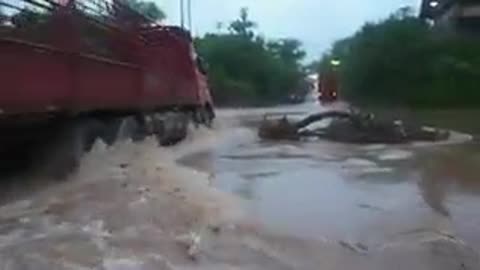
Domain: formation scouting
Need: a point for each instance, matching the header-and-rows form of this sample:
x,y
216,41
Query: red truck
x,y
72,71
328,87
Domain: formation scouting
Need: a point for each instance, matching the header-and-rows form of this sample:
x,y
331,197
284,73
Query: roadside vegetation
x,y
245,68
147,8
404,61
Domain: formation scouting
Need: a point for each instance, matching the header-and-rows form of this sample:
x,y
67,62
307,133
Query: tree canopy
x,y
246,69
243,26
403,60
148,9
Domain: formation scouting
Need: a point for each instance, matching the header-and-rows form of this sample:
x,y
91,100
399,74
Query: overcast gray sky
x,y
317,23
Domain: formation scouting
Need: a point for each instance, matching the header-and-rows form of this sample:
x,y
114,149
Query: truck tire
x,y
110,132
131,128
174,128
197,117
158,127
204,116
210,112
208,115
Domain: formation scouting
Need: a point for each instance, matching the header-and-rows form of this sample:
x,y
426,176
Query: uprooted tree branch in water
x,y
350,127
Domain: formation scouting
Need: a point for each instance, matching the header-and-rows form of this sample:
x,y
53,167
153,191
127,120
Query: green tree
x,y
28,18
243,26
147,8
245,68
313,66
402,60
289,50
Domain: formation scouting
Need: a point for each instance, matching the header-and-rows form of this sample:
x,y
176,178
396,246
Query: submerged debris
x,y
278,129
191,241
124,165
358,248
351,127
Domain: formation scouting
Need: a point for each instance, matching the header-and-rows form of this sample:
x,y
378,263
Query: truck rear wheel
x,y
171,128
110,131
122,129
209,115
131,128
204,116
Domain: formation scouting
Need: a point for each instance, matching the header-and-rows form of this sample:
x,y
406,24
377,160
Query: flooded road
x,y
224,199
369,199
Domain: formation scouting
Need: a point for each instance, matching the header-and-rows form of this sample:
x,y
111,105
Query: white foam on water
x,y
358,162
373,147
455,138
394,154
122,264
374,170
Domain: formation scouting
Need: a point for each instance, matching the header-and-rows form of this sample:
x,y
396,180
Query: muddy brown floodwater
x,y
226,200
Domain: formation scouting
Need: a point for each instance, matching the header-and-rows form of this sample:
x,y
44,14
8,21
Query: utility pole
x,y
189,14
182,14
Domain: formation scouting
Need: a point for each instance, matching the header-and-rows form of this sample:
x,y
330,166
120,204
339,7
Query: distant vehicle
x,y
328,87
86,69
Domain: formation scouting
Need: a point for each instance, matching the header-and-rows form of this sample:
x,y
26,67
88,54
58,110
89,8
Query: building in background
x,y
459,16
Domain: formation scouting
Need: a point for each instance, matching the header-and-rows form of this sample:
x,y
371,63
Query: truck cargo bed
x,y
37,78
